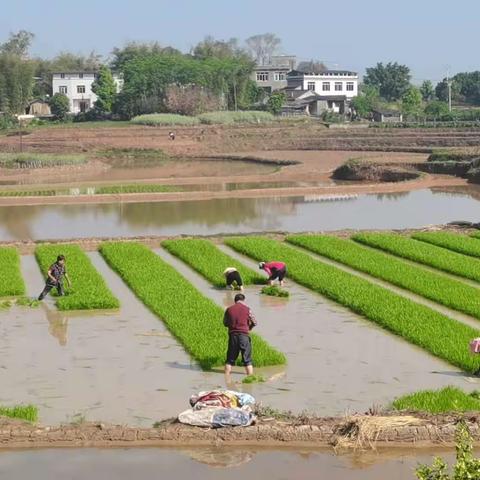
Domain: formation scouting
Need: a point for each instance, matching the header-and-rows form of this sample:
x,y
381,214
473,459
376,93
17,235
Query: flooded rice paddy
x,y
293,214
209,463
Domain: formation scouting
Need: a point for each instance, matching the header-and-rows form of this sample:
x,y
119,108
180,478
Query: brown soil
x,y
355,432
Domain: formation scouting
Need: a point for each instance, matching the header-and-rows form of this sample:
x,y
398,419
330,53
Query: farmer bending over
x,y
274,270
55,278
232,276
240,320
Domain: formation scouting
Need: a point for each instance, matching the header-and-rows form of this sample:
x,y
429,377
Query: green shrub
x,y
193,319
89,290
209,261
431,255
227,117
436,333
22,412
451,241
434,286
164,119
11,280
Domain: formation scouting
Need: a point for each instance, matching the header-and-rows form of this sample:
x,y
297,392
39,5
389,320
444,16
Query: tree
x,y
392,80
315,66
106,90
263,47
59,105
366,101
191,100
18,44
436,109
412,101
135,50
210,47
427,91
275,102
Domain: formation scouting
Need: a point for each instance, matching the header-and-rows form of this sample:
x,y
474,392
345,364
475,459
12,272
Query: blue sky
x,y
427,35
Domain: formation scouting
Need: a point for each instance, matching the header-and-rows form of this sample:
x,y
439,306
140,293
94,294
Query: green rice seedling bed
x,y
209,261
449,399
39,160
196,321
452,241
434,286
436,333
22,412
11,280
274,291
89,290
421,252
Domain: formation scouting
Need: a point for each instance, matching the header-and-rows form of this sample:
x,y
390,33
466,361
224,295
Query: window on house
x,y
279,76
311,86
262,76
338,86
326,86
80,75
63,89
80,88
350,86
62,75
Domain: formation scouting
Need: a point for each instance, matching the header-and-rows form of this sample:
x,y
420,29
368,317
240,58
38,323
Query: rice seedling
x,y
448,399
421,252
274,291
164,119
39,160
137,188
89,291
22,412
209,261
193,319
436,333
253,379
27,302
226,117
434,286
452,241
11,281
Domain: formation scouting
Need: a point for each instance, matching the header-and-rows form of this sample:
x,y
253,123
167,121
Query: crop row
x,y
438,334
452,241
421,252
89,291
11,280
209,261
193,319
434,286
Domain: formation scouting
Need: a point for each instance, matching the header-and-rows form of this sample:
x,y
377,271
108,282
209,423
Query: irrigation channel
x,y
124,367
235,215
209,463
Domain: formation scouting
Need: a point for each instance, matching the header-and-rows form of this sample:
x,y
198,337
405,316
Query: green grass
x,y
164,119
39,160
11,280
449,399
134,153
436,333
196,321
89,290
209,261
274,291
427,254
22,412
227,118
451,241
434,286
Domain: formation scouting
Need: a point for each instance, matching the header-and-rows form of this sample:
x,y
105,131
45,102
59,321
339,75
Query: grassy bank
x,y
209,261
164,119
11,280
89,290
434,286
39,160
193,319
434,332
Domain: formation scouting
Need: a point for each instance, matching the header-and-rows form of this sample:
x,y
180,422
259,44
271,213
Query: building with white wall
x,y
77,86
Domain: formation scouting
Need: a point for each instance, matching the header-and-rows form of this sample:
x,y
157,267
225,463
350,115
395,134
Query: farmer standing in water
x,y
232,276
274,270
55,275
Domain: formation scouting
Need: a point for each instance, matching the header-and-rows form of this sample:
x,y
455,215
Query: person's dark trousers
x,y
48,286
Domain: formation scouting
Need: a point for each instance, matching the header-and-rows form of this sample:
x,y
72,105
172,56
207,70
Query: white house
x,y
77,86
335,87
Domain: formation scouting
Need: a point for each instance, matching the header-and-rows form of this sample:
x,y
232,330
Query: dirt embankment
x,y
357,432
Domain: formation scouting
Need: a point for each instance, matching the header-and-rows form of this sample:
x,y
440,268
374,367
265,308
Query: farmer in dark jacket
x,y
55,275
240,320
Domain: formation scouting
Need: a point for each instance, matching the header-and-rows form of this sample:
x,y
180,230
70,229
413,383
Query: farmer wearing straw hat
x,y
232,276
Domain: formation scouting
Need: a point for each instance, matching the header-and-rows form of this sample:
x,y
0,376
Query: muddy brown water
x,y
234,215
209,463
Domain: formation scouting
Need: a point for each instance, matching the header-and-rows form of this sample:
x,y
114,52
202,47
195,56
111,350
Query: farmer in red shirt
x,y
240,320
274,270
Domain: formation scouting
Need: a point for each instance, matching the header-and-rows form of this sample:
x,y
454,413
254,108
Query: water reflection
x,y
57,324
220,457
